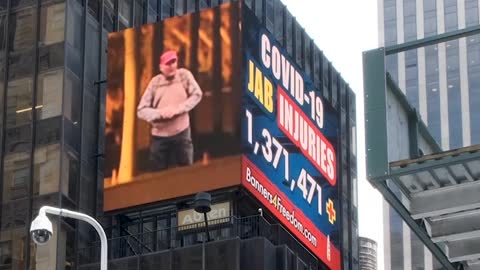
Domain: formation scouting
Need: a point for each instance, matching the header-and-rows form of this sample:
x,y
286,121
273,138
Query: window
x,y
179,7
259,9
269,14
72,96
454,97
46,173
450,15
167,9
418,248
109,15
20,174
22,31
3,33
473,56
125,13
307,42
139,5
298,44
326,76
16,176
3,6
49,94
391,66
316,66
92,53
390,32
5,253
74,37
471,12
18,139
151,15
2,88
203,4
278,21
21,3
191,6
94,8
153,4
334,87
411,77
19,102
21,65
433,91
410,20
289,32
52,24
48,131
430,17
390,22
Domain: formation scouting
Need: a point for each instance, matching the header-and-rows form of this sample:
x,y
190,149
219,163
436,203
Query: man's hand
x,y
168,112
149,114
151,117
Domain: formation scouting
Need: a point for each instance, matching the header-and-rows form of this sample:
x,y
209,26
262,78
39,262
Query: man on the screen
x,y
165,105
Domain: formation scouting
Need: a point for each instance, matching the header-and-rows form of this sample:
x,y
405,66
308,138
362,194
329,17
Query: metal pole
x,y
206,226
203,254
88,219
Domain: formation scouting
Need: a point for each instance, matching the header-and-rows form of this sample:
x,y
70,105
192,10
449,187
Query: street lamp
x,y
41,228
202,204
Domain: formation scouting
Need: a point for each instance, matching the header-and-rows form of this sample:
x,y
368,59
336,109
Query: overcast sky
x,y
343,29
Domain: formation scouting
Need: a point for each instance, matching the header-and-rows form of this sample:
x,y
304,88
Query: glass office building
x,y
442,82
368,254
52,117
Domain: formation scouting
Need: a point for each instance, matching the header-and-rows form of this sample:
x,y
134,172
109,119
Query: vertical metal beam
x,y
349,177
4,105
414,226
374,83
33,132
116,18
99,182
217,69
83,28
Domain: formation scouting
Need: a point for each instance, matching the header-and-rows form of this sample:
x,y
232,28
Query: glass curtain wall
x,y
31,85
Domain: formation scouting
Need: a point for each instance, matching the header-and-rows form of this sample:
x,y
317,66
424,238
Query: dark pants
x,y
169,152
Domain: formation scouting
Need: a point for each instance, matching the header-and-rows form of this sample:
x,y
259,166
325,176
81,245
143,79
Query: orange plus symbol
x,y
332,214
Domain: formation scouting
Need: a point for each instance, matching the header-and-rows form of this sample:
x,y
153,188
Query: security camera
x,y
260,211
41,229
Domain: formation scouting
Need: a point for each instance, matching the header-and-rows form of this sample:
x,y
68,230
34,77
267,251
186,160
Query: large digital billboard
x,y
289,141
172,106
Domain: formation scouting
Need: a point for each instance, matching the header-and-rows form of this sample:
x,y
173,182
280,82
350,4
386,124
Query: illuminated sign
x,y
289,141
219,213
172,108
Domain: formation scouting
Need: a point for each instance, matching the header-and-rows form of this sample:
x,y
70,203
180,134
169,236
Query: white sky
x,y
344,29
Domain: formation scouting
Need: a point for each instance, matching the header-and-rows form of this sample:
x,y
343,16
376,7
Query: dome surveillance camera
x,y
41,229
260,211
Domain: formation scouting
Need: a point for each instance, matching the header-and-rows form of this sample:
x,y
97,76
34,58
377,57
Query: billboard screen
x,y
289,142
172,106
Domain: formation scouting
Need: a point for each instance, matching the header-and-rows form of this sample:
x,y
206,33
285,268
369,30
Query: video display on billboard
x,y
172,106
289,141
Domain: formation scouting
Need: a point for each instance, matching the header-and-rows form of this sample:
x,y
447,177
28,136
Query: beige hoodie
x,y
182,93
